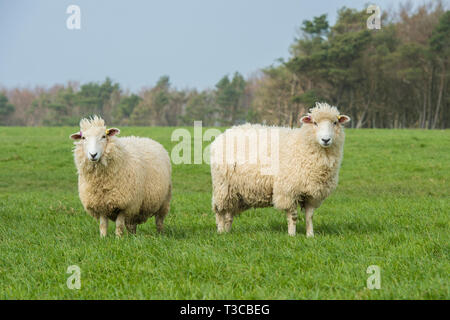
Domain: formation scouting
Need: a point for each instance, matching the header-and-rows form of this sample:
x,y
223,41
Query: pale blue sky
x,y
195,42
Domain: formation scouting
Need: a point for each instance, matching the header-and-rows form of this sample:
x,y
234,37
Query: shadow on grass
x,y
350,228
181,232
334,228
202,230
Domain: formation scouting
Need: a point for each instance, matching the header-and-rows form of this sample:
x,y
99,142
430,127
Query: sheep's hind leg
x,y
159,221
292,217
309,211
103,226
161,215
131,227
120,224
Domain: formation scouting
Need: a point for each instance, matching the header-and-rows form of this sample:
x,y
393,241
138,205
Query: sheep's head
x,y
325,122
93,137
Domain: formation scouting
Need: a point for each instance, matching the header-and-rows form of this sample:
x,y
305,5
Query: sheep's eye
x,y
315,123
103,137
335,123
83,138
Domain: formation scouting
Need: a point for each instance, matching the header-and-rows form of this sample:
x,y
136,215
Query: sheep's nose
x,y
92,155
326,140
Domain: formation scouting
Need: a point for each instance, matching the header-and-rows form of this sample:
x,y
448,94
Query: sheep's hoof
x,y
310,235
292,231
119,234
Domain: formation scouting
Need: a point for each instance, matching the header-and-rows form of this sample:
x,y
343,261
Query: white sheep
x,y
258,166
125,179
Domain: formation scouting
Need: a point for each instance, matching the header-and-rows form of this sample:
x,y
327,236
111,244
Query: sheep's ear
x,y
306,119
343,119
112,132
76,136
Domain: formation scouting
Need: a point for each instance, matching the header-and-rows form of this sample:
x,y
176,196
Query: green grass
x,y
391,209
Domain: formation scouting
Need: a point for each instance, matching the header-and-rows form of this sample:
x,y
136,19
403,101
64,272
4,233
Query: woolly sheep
x,y
126,180
304,167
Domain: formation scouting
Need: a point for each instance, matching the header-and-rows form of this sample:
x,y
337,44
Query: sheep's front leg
x,y
103,226
309,211
228,221
292,217
220,222
120,224
224,222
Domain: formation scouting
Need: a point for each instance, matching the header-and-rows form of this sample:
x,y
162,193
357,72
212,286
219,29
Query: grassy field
x,y
390,209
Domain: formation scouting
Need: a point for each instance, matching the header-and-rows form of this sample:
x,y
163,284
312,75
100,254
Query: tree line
x,y
394,77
